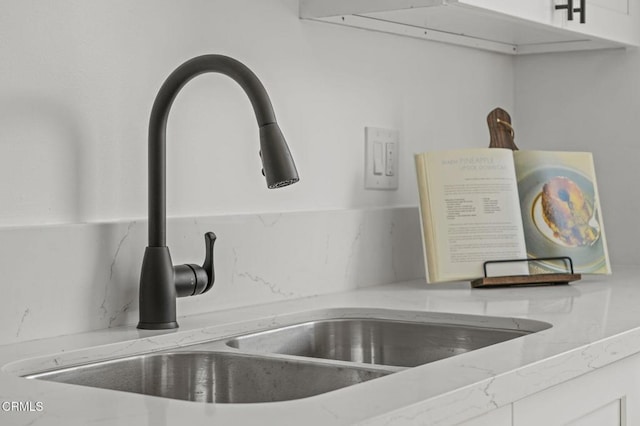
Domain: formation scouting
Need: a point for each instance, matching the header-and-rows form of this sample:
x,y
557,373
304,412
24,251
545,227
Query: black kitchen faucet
x,y
160,281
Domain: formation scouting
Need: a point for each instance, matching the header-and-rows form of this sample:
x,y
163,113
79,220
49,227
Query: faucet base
x,y
157,325
157,290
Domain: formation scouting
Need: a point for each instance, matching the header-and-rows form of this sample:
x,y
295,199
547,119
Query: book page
x,y
561,211
471,213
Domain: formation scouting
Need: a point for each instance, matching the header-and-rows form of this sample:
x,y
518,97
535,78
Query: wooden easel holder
x,y
529,280
502,136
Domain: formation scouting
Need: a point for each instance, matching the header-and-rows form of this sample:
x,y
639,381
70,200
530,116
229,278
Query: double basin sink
x,y
298,360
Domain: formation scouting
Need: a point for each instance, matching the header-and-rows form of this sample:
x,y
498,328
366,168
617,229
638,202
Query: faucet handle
x,y
191,280
210,240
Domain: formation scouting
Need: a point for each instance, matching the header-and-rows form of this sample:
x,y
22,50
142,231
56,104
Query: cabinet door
x,y
619,6
606,397
608,19
499,417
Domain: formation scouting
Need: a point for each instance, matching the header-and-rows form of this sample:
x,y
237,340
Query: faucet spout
x,y
160,281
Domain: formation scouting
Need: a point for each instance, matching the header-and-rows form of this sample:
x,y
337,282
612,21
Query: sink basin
x,y
213,376
375,341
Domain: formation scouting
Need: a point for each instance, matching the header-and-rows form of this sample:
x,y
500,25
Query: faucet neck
x,y
158,125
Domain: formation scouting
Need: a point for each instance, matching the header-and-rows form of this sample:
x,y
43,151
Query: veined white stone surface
x,y
72,278
595,323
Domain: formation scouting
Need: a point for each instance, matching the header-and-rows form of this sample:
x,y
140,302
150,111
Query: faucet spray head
x,y
277,164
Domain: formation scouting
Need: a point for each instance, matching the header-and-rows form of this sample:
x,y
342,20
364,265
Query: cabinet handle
x,y
582,10
569,7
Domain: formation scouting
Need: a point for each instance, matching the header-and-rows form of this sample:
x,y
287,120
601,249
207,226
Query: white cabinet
x,y
506,26
609,396
606,397
609,20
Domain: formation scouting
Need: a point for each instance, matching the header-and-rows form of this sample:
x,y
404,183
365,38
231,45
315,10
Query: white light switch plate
x,y
381,158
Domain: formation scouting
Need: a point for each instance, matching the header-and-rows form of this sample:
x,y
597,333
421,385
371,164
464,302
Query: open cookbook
x,y
488,204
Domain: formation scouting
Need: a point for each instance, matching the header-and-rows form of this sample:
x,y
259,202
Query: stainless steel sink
x,y
374,341
214,377
327,350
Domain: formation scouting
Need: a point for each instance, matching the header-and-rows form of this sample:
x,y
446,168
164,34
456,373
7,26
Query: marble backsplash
x,y
72,278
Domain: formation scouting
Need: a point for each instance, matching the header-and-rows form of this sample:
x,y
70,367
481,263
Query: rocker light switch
x,y
381,158
378,162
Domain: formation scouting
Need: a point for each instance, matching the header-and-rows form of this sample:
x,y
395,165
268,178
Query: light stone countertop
x,y
595,322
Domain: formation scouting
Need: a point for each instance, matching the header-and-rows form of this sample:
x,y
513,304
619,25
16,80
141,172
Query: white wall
x,y
77,80
589,101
